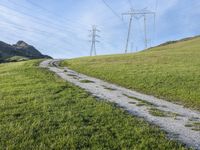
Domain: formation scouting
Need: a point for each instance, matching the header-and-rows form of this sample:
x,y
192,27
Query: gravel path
x,y
181,123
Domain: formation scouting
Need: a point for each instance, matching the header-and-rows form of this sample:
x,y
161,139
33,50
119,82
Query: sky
x,y
61,28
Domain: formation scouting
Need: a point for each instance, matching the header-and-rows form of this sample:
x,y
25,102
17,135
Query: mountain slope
x,y
38,110
171,71
21,49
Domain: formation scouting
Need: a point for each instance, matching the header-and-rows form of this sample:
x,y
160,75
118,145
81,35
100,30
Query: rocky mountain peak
x,y
21,49
21,44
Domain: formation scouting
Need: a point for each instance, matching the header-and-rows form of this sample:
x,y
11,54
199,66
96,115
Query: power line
x,y
47,24
44,9
130,3
156,8
51,12
155,18
45,35
34,30
38,19
112,10
36,5
31,29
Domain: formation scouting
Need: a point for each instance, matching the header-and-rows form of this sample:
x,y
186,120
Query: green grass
x,y
160,113
17,59
195,126
141,102
109,88
171,72
86,81
38,110
157,112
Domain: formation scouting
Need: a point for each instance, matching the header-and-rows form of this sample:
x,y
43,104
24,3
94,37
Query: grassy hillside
x,y
38,110
171,71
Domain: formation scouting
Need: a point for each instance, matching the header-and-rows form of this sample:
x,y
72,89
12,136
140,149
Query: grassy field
x,y
38,110
171,72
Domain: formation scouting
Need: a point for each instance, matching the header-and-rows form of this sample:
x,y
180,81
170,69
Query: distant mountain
x,y
19,51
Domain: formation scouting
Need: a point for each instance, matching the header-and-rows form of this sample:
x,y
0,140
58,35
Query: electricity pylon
x,y
94,40
137,14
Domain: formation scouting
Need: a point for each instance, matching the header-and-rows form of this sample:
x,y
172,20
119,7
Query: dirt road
x,y
180,123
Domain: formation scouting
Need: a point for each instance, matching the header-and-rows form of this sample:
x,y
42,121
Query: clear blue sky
x,y
60,27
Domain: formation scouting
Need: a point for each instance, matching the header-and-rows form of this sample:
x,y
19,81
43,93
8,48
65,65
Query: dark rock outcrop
x,y
19,49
